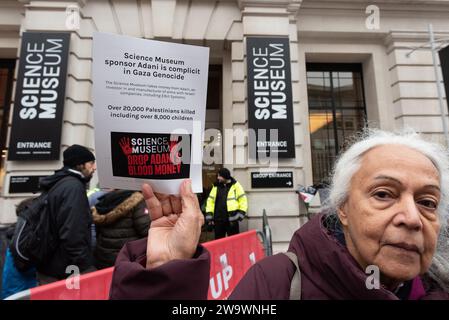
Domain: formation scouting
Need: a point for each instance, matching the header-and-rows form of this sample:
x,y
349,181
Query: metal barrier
x,y
268,245
22,295
264,241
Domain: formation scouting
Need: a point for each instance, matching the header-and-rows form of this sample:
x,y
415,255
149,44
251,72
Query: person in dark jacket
x,y
226,205
14,280
69,210
387,207
120,216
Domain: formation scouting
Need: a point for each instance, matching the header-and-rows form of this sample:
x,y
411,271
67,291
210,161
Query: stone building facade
x,y
349,65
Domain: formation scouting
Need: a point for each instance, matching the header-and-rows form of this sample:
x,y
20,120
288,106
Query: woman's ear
x,y
342,215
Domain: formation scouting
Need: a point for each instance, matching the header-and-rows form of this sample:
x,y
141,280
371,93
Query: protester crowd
x,y
84,229
88,228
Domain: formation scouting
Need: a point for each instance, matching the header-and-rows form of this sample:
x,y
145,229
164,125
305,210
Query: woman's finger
x,y
153,204
176,204
164,199
191,216
189,199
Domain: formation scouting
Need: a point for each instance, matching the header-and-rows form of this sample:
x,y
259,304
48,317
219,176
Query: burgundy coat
x,y
328,271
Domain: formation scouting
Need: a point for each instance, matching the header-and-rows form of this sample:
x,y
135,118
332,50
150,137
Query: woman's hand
x,y
175,225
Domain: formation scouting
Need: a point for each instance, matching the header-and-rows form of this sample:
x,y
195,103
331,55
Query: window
x,y
336,111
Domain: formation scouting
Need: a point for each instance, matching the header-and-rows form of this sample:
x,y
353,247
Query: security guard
x,y
226,205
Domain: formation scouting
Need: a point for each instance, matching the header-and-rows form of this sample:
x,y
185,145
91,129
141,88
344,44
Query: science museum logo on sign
x,y
150,156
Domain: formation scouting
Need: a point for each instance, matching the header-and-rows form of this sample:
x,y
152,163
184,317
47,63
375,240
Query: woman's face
x,y
390,218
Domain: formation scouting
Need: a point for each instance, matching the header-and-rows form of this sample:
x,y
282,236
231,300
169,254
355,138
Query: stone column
x,y
265,18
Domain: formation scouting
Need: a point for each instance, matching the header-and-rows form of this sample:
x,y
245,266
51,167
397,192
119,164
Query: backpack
x,y
34,240
295,284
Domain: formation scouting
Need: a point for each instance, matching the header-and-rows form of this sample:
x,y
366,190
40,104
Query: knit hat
x,y
77,154
224,173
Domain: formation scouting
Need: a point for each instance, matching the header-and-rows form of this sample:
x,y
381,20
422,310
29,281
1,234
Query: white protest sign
x,y
149,102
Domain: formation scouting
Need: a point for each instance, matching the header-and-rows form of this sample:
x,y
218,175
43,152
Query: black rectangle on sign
x,y
151,155
40,94
278,179
270,102
24,184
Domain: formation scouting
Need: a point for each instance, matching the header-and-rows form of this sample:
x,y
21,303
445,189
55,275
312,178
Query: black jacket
x,y
71,220
221,211
120,216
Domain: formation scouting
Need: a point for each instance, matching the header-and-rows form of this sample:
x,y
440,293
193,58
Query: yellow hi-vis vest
x,y
236,201
92,191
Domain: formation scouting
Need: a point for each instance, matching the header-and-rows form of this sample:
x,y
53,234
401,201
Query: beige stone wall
x,y
413,83
10,21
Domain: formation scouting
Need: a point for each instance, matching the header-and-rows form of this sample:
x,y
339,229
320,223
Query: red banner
x,y
231,257
91,286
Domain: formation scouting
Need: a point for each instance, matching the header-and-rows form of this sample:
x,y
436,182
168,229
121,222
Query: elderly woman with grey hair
x,y
382,236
